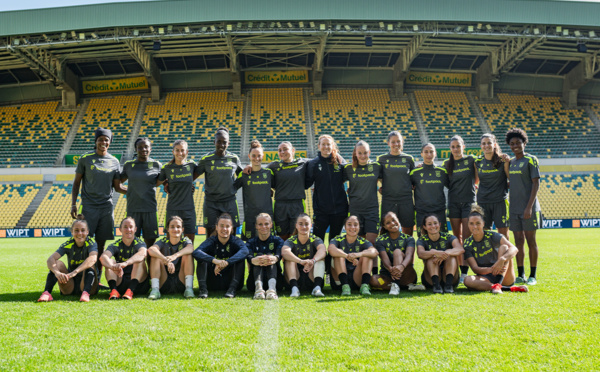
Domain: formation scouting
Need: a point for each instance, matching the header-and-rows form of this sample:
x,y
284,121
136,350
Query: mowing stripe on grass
x,y
267,342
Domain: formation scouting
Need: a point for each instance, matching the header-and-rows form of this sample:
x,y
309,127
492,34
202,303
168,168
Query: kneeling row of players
x,y
221,261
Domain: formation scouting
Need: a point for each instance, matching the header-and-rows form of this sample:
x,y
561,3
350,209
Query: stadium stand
x,y
570,195
32,135
354,114
278,115
15,198
193,117
54,209
446,114
554,132
116,114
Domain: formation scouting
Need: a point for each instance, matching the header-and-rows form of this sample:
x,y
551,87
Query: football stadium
x,y
281,149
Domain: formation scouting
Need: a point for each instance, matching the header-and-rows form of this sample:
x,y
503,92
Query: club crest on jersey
x,y
487,244
521,165
370,168
172,170
404,160
466,162
443,245
212,162
187,167
150,165
320,168
271,246
94,161
438,173
265,176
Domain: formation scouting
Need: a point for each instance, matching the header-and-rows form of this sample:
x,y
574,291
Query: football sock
x,y
464,269
112,284
435,279
189,281
521,270
155,283
293,283
375,270
133,284
449,279
506,288
272,284
499,279
533,270
366,278
88,280
319,281
51,281
343,278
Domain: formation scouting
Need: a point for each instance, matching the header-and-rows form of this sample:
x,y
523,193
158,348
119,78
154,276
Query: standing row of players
x,y
98,172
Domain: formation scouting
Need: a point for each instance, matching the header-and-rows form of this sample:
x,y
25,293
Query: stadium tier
x,y
570,195
15,198
554,132
193,117
278,115
354,114
32,135
446,114
54,210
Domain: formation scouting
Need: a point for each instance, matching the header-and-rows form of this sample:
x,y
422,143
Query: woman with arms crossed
x,y
352,259
525,214
304,255
80,276
142,174
225,253
439,252
97,174
171,264
126,270
490,256
396,187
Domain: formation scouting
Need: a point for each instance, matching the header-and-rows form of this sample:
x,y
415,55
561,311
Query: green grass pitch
x,y
553,327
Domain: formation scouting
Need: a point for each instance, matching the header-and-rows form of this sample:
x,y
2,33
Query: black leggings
x,y
231,277
334,222
264,273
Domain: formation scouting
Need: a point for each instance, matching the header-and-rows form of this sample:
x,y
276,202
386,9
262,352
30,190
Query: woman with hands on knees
x,y
490,255
171,265
304,259
352,259
397,252
126,270
264,253
80,277
226,254
439,251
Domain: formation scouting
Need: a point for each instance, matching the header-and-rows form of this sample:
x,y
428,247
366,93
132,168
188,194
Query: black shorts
x,y
142,288
212,210
101,222
441,215
223,281
304,282
188,217
404,210
496,213
406,275
369,222
518,223
172,284
147,224
442,276
286,213
77,284
459,210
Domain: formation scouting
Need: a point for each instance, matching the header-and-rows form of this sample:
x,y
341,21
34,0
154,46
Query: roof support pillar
x,y
484,81
151,70
577,78
402,65
318,66
236,80
70,88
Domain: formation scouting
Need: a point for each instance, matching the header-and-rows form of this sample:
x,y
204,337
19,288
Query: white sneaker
x,y
416,287
295,292
259,294
317,292
272,294
395,290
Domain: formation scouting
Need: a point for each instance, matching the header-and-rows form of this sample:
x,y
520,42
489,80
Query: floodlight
x,y
348,28
577,33
488,27
74,34
470,28
81,36
536,31
301,24
290,25
566,32
312,24
390,27
151,28
381,25
322,27
592,34
161,30
136,32
187,29
170,28
415,27
229,27
558,29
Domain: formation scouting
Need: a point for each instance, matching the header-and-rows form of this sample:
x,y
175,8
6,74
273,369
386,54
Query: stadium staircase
x,y
72,133
246,114
33,206
311,150
418,117
478,114
135,130
593,116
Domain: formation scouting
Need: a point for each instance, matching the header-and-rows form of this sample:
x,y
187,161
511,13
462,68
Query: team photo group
x,y
371,244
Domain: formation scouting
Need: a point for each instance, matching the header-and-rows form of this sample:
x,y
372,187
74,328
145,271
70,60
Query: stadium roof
x,y
539,37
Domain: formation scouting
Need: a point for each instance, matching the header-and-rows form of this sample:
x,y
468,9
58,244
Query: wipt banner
x,y
276,77
116,85
439,79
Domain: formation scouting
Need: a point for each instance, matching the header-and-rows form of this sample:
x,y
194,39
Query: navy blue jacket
x,y
329,196
233,251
